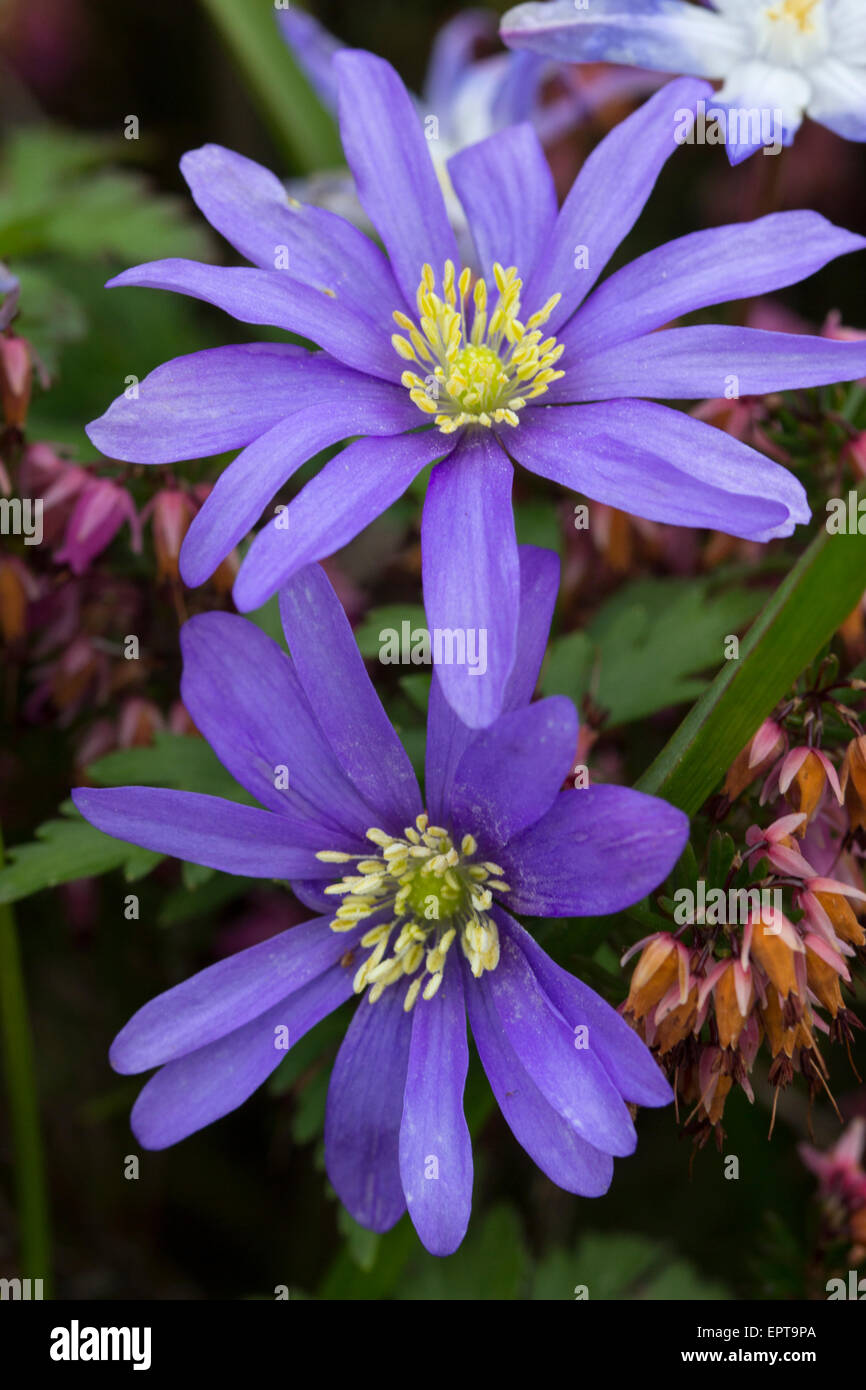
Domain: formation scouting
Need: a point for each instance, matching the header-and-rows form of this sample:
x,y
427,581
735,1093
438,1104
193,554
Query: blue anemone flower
x,y
415,904
425,363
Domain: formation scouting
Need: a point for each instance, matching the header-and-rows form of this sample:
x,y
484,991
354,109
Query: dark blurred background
x,y
243,1207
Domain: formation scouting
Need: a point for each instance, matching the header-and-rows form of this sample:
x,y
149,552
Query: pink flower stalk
x,y
99,513
16,375
839,1170
171,511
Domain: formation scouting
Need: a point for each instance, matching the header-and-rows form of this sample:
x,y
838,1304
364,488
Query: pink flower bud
x,y
16,376
172,511
99,513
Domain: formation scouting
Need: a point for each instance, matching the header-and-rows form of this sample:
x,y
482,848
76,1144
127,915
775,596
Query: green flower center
x,y
430,894
480,367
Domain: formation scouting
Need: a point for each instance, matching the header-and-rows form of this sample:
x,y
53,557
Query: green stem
x,y
23,1105
306,132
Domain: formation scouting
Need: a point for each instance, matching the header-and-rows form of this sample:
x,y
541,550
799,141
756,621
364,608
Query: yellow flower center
x,y
432,893
797,12
480,366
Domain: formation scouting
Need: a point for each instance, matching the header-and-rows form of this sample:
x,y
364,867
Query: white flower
x,y
789,57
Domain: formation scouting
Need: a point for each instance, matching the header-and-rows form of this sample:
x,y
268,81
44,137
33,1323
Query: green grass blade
x,y
800,618
304,130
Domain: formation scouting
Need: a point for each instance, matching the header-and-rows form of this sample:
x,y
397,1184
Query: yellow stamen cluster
x,y
480,366
798,12
432,894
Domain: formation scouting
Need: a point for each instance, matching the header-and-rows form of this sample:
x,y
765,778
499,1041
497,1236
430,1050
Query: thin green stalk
x,y
23,1107
306,132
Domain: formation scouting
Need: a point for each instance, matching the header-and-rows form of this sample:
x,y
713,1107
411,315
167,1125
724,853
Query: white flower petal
x,y
665,35
839,98
757,86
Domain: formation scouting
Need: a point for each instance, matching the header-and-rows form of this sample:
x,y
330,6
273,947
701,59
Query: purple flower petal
x,y
597,850
344,497
244,489
569,1078
274,297
313,48
704,268
244,696
539,587
454,54
248,205
708,361
364,1112
659,463
508,195
448,736
511,773
207,402
516,98
472,573
388,155
197,1089
435,1147
551,1142
205,830
607,198
447,739
348,710
228,995
624,1056
667,35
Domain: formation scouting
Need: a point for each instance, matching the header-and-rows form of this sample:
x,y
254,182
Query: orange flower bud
x,y
807,788
224,576
775,957
843,918
678,1023
780,1038
614,537
654,974
716,1107
824,982
854,782
13,602
729,1019
756,758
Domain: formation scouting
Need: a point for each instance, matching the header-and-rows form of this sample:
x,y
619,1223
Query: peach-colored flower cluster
x,y
763,961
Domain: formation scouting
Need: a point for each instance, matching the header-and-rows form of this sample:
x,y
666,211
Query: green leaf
x,y
362,1245
205,900
568,666
620,1267
490,1265
69,849
179,761
646,646
346,1281
55,198
195,876
802,616
65,850
417,689
537,523
303,128
390,616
